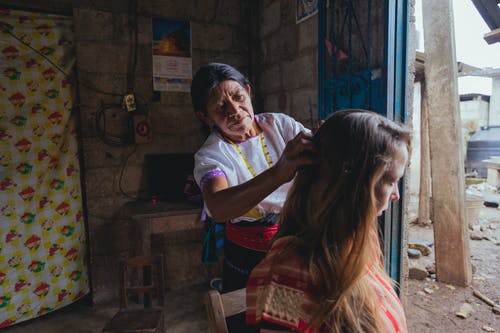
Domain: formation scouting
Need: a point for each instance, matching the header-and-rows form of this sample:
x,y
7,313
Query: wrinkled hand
x,y
298,152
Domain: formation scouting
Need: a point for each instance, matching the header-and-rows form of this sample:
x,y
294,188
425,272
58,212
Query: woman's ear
x,y
205,119
249,89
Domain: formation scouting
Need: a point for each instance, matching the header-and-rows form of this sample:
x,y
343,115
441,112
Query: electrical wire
x,y
121,175
133,29
115,141
6,29
104,136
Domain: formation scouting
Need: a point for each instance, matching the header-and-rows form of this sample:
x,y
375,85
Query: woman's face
x,y
386,190
229,107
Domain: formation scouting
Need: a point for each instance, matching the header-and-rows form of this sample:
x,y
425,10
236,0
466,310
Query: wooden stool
x,y
142,277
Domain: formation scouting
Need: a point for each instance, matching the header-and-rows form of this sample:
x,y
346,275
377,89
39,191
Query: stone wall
x,y
288,67
115,175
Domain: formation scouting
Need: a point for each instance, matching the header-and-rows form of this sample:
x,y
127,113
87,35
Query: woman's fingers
x,y
301,144
298,152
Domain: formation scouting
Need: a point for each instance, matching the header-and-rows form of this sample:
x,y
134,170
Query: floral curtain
x,y
42,235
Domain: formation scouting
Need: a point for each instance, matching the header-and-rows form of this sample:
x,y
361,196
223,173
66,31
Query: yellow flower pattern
x,y
42,235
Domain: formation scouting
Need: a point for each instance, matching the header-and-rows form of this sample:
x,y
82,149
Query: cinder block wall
x,y
113,176
219,33
288,66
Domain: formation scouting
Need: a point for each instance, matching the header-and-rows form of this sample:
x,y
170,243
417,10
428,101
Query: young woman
x,y
324,271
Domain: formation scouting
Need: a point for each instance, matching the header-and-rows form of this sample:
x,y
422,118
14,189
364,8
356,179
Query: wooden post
x,y
446,154
425,163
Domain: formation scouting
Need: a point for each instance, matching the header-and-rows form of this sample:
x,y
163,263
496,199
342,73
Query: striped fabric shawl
x,y
281,292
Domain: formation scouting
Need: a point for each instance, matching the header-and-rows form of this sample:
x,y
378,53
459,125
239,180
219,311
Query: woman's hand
x,y
226,202
298,152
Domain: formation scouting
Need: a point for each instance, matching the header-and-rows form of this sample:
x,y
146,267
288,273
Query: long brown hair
x,y
331,209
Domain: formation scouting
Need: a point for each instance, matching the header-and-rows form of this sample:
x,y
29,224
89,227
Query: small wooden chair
x,y
140,276
220,306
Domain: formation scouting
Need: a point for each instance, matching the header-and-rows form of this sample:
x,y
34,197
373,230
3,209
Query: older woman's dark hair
x,y
210,76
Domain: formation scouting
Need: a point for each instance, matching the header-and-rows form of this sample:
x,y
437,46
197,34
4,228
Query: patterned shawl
x,y
281,292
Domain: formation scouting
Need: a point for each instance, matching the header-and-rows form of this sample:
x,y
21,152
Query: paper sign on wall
x,y
172,63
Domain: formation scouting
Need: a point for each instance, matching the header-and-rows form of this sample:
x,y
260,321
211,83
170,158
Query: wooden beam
x,y
492,36
446,153
424,193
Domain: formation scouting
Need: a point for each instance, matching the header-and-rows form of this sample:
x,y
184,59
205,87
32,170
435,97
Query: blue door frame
x,y
395,88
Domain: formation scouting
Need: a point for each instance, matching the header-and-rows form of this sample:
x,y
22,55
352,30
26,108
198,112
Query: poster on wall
x,y
306,9
172,65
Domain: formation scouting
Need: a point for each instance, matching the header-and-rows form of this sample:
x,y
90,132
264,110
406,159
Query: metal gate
x,y
354,72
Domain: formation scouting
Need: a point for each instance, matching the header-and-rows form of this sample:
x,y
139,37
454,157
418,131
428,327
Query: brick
x,y
144,66
87,122
201,57
90,23
303,101
117,6
110,239
168,122
96,87
282,45
145,31
105,278
270,21
299,72
242,40
103,209
192,10
266,3
182,251
143,88
270,79
134,179
230,13
98,155
100,181
288,12
212,37
102,57
176,99
272,103
308,33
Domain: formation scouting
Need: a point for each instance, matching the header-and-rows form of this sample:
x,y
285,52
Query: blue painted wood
x,y
356,90
397,27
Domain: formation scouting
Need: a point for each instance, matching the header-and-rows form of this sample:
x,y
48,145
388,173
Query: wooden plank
x,y
425,163
215,312
446,142
234,302
492,36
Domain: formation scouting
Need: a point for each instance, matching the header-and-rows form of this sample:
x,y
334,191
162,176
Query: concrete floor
x,y
184,313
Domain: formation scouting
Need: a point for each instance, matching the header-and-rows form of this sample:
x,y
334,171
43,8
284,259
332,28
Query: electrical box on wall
x,y
141,128
129,102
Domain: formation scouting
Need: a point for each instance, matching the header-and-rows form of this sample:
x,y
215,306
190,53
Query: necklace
x,y
244,157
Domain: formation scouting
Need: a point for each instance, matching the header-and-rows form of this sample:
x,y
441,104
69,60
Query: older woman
x,y
244,166
324,271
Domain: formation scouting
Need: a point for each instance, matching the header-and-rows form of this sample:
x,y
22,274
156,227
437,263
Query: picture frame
x,y
305,9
